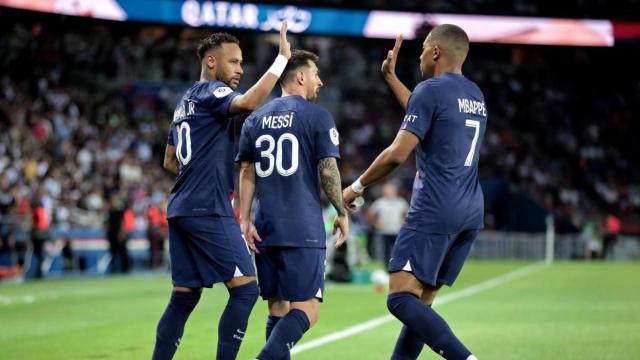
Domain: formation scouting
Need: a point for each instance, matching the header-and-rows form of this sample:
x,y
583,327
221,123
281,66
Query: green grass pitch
x,y
566,311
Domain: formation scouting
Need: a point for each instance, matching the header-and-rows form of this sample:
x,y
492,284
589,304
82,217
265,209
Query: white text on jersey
x,y
181,113
472,107
277,121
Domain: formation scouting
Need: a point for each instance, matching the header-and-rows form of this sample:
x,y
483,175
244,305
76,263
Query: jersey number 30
x,y
276,161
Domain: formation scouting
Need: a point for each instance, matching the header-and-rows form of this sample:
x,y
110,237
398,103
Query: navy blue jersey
x,y
285,138
449,116
202,132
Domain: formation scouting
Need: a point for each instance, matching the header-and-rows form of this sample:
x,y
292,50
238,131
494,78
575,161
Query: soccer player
x,y
445,122
205,242
288,148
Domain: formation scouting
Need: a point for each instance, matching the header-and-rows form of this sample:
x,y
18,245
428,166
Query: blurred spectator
x,y
612,229
39,229
117,235
387,215
157,228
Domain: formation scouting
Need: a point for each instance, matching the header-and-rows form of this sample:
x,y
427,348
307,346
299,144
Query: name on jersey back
x,y
472,107
180,112
277,121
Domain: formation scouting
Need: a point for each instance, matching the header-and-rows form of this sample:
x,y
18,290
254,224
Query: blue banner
x,y
250,16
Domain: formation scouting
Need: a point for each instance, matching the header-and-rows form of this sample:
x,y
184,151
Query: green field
x,y
566,311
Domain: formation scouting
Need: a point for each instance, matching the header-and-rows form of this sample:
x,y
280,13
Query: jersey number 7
x,y
474,124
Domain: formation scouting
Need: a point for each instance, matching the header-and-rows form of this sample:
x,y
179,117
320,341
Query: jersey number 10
x,y
276,161
184,158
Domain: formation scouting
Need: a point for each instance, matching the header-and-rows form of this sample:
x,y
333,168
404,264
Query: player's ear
x,y
210,61
436,53
300,77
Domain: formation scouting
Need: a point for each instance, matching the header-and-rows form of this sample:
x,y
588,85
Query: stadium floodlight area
x,y
344,22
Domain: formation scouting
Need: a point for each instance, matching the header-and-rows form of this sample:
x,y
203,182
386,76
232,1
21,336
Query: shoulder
x,y
219,89
207,89
428,87
320,112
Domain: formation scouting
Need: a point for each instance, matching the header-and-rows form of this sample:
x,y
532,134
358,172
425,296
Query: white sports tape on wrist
x,y
358,187
278,65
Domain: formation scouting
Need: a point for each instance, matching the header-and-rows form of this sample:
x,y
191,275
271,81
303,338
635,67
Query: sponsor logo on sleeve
x,y
222,92
335,137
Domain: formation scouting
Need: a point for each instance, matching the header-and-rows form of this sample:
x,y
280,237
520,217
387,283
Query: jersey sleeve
x,y
421,109
245,152
218,97
327,139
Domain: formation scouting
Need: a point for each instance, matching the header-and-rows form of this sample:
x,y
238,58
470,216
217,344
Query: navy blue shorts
x,y
291,273
206,250
434,259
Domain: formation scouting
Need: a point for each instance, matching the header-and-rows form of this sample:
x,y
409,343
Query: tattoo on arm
x,y
330,179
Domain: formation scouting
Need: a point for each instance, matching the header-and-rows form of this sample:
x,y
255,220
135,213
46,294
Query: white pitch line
x,y
446,298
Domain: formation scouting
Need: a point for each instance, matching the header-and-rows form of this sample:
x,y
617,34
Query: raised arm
x,y
247,189
388,70
258,93
331,184
170,162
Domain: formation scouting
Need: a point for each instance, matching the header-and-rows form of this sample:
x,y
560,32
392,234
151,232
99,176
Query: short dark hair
x,y
214,41
299,58
453,38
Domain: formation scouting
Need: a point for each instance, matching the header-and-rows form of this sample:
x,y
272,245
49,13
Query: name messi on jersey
x,y
277,121
472,107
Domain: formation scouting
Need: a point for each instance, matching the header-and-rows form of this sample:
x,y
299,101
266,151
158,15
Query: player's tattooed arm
x,y
170,162
331,183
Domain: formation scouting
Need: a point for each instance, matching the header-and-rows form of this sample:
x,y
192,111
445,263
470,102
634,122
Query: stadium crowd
x,y
85,109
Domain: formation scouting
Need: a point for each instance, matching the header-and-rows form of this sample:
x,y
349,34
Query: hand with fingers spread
x,y
250,235
285,46
342,223
388,67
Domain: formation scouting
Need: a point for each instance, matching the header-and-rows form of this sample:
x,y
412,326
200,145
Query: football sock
x,y
271,323
285,335
429,326
171,325
233,322
408,346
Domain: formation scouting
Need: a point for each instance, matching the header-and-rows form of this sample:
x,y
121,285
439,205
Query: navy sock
x,y
234,319
285,335
272,321
429,326
408,346
171,325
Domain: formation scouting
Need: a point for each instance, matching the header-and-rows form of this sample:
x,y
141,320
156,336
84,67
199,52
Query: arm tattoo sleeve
x,y
330,179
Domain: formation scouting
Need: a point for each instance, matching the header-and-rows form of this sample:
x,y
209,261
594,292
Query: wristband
x,y
278,65
357,187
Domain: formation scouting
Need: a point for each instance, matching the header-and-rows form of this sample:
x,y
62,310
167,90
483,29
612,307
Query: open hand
x,y
388,67
285,47
250,235
342,223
